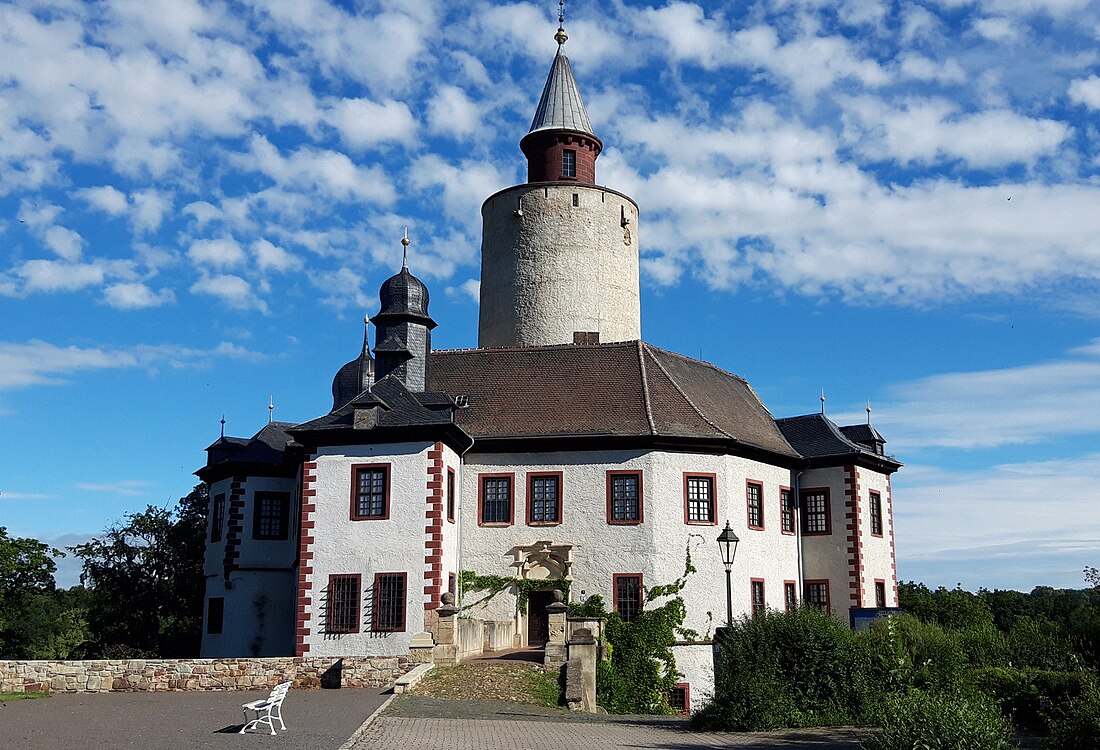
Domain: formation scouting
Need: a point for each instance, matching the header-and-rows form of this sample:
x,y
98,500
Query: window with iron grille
x,y
628,595
624,498
817,594
342,603
389,603
790,596
754,495
757,586
568,163
272,515
786,511
370,493
815,511
544,498
699,492
496,499
217,517
876,514
450,494
679,700
215,614
880,594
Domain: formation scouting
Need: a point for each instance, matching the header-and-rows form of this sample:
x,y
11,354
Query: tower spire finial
x,y
561,36
822,401
223,425
270,409
868,411
405,250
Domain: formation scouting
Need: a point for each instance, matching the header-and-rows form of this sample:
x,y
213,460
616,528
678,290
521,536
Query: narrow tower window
x,y
568,163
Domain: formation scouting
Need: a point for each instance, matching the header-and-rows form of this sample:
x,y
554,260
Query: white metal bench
x,y
266,710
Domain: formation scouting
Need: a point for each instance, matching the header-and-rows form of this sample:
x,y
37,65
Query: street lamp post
x,y
727,545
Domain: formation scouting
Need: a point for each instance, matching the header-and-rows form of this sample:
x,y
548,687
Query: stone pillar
x,y
580,672
555,652
445,653
421,647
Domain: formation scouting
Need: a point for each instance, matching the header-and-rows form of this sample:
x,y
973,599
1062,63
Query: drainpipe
x,y
798,529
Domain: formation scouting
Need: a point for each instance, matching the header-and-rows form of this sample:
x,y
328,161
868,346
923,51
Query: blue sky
x,y
891,201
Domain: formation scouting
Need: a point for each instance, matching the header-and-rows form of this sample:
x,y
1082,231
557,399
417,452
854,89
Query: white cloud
x,y
1086,91
36,215
230,289
128,487
270,257
451,112
67,243
58,276
998,29
464,185
363,123
223,252
150,206
106,198
136,296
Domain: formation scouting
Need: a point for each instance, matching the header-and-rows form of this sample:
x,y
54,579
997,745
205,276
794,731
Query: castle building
x,y
563,448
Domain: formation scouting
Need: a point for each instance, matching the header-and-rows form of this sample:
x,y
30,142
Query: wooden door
x,y
538,623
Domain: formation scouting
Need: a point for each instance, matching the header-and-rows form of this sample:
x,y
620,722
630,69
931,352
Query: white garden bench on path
x,y
266,709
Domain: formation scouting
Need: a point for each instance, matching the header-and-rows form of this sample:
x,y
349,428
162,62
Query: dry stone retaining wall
x,y
105,675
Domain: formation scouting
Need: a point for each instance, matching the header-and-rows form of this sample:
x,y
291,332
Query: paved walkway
x,y
316,720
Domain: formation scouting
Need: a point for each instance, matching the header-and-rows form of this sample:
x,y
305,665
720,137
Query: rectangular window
x,y
370,492
495,499
679,700
217,517
272,515
544,498
451,495
817,594
790,596
388,613
342,603
699,499
815,511
786,510
628,595
624,497
876,514
754,497
215,614
568,163
880,594
758,605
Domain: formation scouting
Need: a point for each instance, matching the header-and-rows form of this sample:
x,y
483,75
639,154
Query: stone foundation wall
x,y
105,675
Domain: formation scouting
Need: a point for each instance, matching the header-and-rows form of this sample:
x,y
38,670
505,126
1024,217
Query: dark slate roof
x,y
625,389
822,443
267,448
352,378
403,296
862,433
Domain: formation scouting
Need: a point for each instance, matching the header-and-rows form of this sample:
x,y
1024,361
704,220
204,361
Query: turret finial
x,y
223,425
405,250
270,409
823,401
868,411
561,36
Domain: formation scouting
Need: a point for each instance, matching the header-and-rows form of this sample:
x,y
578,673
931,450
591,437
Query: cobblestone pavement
x,y
412,723
316,720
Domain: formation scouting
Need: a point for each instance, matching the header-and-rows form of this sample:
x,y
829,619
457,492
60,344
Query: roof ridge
x,y
711,365
687,398
536,347
645,388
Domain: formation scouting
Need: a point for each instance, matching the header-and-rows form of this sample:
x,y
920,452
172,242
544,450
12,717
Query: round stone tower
x,y
559,254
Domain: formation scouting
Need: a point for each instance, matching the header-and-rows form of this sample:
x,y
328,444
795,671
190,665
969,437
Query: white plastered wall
x,y
825,556
878,557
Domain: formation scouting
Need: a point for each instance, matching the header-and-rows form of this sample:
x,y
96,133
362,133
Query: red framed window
x,y
699,499
388,604
342,603
754,500
679,700
876,514
370,492
786,510
495,503
451,495
790,596
756,586
624,497
816,518
817,594
271,515
628,595
569,163
215,614
880,593
217,517
544,498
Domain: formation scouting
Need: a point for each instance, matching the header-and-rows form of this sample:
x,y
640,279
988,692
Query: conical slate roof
x,y
560,107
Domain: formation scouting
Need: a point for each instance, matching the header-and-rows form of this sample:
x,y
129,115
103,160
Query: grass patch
x,y
4,697
543,687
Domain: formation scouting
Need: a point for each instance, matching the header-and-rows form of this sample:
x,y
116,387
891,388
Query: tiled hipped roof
x,y
628,389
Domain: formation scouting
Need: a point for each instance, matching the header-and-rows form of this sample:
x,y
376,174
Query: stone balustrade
x,y
105,675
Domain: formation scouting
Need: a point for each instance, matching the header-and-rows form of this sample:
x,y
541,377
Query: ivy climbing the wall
x,y
494,584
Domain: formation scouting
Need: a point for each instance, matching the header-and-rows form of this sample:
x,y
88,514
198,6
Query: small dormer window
x,y
568,163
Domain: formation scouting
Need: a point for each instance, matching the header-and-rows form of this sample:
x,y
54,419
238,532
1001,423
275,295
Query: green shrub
x,y
1076,724
785,669
942,721
1042,645
1026,696
984,646
903,652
